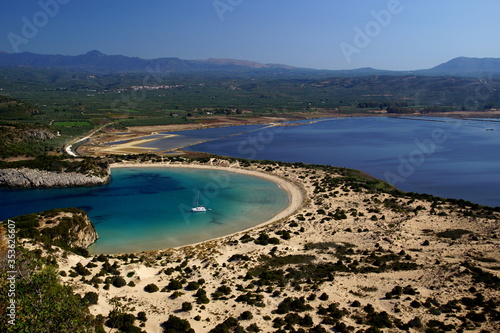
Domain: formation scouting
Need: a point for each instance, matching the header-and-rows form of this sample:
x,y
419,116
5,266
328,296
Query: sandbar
x,y
133,146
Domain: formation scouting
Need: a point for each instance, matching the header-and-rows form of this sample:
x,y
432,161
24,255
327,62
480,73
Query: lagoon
x,y
441,156
149,208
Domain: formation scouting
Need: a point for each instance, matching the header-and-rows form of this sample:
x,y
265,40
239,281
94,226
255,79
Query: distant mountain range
x,y
95,61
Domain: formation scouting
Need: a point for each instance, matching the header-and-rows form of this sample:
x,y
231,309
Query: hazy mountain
x,y
465,66
95,61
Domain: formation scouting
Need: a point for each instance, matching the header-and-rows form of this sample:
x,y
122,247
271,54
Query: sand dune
x,y
370,241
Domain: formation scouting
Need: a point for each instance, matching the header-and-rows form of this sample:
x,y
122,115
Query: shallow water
x,y
149,208
191,137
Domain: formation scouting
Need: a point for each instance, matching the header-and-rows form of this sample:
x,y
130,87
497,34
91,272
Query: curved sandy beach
x,y
296,193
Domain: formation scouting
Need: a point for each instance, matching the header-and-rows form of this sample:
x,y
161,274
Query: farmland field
x,y
71,123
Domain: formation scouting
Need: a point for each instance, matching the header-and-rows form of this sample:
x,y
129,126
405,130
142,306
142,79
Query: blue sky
x,y
324,34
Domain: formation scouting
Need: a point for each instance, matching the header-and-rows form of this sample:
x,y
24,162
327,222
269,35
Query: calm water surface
x,y
440,156
149,208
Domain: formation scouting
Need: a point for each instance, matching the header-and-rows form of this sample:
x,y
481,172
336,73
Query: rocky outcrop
x,y
33,178
40,133
68,228
80,232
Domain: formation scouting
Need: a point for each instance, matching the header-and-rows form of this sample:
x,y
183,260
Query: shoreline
x,y
137,137
295,192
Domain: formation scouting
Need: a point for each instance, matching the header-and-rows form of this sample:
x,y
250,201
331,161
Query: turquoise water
x,y
149,208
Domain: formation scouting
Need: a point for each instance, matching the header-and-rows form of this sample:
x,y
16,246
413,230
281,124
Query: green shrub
x,y
293,304
123,321
142,316
151,288
91,298
186,306
246,315
174,285
176,325
324,297
191,286
118,281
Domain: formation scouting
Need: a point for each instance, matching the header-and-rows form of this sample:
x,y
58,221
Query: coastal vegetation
x,y
61,227
20,139
60,164
42,302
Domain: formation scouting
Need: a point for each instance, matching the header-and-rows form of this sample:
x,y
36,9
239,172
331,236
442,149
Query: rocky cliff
x,y
33,178
68,228
76,229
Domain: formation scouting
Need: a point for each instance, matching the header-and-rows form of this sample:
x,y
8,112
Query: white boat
x,y
198,208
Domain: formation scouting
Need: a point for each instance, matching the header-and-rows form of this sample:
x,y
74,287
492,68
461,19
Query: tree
x,y
39,294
